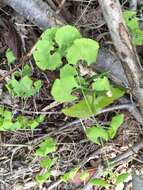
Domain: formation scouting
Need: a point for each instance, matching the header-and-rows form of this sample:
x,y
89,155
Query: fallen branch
x,y
37,12
123,43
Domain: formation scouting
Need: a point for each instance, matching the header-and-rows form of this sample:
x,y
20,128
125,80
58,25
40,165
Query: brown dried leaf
x,y
12,38
77,181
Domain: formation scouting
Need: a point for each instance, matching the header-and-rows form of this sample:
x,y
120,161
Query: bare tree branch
x,y
112,12
37,11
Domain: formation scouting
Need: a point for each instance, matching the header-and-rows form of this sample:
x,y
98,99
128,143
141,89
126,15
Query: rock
x,y
108,61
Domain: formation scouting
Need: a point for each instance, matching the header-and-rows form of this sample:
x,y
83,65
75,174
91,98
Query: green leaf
x,y
115,124
82,49
67,71
37,85
19,88
133,25
6,126
46,147
40,118
121,178
99,182
65,37
33,124
13,86
94,133
7,115
26,82
47,163
23,121
131,20
80,110
10,56
42,51
26,70
83,84
54,61
43,178
101,84
16,126
62,89
89,107
23,88
137,37
1,110
69,175
84,175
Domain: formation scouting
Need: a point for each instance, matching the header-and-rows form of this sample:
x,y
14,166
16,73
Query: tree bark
x,y
112,12
133,5
37,11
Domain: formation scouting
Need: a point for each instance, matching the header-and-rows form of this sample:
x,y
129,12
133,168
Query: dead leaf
x,y
77,181
12,38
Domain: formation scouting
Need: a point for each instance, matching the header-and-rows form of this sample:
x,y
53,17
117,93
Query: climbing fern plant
x,y
64,49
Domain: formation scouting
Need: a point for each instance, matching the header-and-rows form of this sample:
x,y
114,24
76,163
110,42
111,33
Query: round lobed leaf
x,y
42,51
65,37
62,89
83,49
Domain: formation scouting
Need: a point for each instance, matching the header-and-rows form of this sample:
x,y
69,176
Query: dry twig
x,y
120,159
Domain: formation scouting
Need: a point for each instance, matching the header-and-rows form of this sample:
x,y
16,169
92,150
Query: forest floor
x,y
18,163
